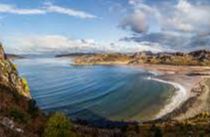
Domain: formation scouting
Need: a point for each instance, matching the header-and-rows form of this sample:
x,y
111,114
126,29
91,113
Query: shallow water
x,y
94,92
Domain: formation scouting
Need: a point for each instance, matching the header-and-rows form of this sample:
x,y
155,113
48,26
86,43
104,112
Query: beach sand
x,y
191,97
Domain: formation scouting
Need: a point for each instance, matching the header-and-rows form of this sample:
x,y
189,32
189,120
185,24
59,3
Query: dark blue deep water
x,y
94,92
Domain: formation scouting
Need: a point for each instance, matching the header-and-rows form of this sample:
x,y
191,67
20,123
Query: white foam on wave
x,y
179,97
155,73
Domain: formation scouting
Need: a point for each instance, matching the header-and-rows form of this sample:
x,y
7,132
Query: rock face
x,y
19,116
9,75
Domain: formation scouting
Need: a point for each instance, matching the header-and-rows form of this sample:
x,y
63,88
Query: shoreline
x,y
194,105
176,100
186,78
193,96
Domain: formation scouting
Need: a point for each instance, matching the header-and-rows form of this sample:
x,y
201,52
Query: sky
x,y
68,26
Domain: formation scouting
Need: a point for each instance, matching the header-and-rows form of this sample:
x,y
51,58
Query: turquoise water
x,y
94,92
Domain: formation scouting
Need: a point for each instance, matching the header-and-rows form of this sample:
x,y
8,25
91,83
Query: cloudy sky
x,y
63,26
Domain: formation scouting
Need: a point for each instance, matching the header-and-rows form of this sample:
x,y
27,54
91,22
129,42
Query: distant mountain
x,y
74,54
14,56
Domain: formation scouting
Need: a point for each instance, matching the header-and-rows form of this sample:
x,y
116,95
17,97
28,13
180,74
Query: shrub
x,y
18,115
58,125
26,86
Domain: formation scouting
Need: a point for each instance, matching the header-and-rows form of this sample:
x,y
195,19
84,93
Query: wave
x,y
59,90
155,73
179,97
82,101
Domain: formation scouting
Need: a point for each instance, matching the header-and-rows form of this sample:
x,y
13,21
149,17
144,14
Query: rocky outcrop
x,y
19,116
9,75
201,55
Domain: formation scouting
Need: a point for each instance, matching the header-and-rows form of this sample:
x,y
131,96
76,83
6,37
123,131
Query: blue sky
x,y
104,25
54,23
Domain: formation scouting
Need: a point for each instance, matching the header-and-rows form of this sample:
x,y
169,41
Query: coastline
x,y
179,96
188,79
192,95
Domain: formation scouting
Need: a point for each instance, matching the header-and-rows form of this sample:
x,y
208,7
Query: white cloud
x,y
139,20
5,8
47,43
57,44
136,22
48,8
134,2
133,47
183,16
68,11
188,17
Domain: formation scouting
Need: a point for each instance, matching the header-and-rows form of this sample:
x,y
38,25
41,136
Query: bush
x,y
58,125
18,115
25,85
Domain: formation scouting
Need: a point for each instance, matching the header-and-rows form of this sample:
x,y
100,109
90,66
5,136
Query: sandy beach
x,y
191,96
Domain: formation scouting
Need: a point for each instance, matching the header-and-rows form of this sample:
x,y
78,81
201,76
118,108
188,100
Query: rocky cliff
x,y
19,116
9,75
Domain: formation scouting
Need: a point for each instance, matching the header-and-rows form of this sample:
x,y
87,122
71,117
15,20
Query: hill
x,y
195,58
